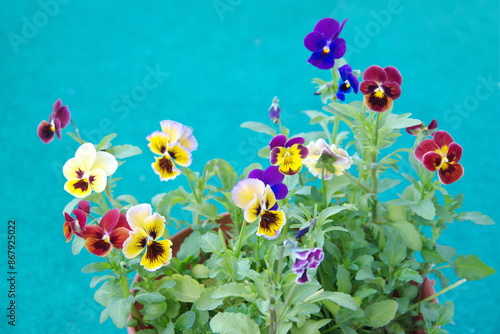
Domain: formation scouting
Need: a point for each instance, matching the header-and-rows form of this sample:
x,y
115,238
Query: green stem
x,y
77,133
104,202
374,170
287,300
451,287
280,263
357,181
240,239
196,216
335,130
323,187
441,267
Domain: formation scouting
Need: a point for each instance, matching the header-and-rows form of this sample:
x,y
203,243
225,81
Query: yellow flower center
x,y
52,126
347,84
326,49
379,93
106,238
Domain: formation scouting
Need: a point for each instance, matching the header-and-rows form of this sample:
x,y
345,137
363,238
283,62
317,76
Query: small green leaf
x,y
476,217
211,243
407,274
204,209
185,320
149,298
105,142
410,235
154,311
129,199
446,313
95,267
186,288
259,127
233,323
107,292
235,290
119,310
124,151
400,121
425,209
471,268
190,246
343,280
98,279
310,326
206,302
77,245
395,249
381,313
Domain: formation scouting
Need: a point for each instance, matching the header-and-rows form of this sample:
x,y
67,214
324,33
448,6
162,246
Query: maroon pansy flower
x,y
305,260
380,87
441,154
421,128
76,225
111,232
288,155
58,119
325,44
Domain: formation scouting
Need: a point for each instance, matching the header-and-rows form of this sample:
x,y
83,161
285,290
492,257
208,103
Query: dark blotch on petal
x,y
450,173
378,104
45,132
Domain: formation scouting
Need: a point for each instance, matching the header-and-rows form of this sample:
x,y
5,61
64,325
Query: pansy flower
x,y
326,160
58,119
112,231
174,144
272,177
306,229
441,154
380,87
259,202
76,225
274,110
305,260
325,44
421,128
88,171
347,83
147,229
288,155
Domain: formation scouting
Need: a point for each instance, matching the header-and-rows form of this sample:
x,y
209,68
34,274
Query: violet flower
x,y
325,44
274,110
347,83
305,260
272,177
58,119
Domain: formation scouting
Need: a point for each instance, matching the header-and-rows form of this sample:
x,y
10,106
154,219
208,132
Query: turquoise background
x,y
220,63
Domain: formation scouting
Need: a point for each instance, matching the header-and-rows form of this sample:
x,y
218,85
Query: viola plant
x,y
315,237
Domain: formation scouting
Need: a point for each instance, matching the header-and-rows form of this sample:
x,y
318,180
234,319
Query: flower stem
x,y
77,133
323,187
357,181
240,239
374,170
335,130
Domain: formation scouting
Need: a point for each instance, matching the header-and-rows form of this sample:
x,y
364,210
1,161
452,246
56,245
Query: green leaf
x,y
186,289
425,209
471,268
149,298
124,151
446,313
330,211
233,323
204,209
206,302
235,290
154,311
95,267
395,249
210,243
381,313
105,142
129,199
259,127
185,320
119,310
343,280
410,235
407,274
310,327
476,217
190,246
77,245
107,292
365,272
400,121
339,298
98,279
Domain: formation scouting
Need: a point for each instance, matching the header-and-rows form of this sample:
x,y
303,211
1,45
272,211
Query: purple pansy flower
x,y
288,155
421,128
272,177
347,83
324,43
58,119
306,229
305,260
274,110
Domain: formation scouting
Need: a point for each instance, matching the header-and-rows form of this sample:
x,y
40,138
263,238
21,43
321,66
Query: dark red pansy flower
x,y
76,225
58,119
441,154
380,87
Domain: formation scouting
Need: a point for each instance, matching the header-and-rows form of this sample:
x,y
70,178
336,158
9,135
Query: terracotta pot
x,y
177,239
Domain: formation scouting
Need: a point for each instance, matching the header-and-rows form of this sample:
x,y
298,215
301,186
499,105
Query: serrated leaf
x,y
259,127
107,292
471,268
476,217
233,323
395,249
401,122
381,313
124,151
425,209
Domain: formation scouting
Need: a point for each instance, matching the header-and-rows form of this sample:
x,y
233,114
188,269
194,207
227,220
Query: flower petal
x,y
368,87
173,129
272,176
280,190
81,218
109,220
277,141
253,210
269,199
392,90
454,153
442,138
271,223
135,243
393,74
290,159
61,113
246,190
74,169
122,222
180,155
322,60
87,153
165,168
450,173
293,141
315,41
98,247
425,146
68,230
154,225
93,231
378,104
158,142
158,254
338,46
45,132
78,188
105,161
118,236
137,214
328,27
84,206
97,180
375,73
256,174
432,161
